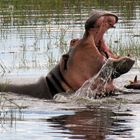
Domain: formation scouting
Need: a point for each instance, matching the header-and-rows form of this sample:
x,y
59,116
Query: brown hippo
x,y
133,84
83,61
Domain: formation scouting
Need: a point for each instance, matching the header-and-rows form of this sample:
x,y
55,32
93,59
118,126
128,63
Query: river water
x,y
33,36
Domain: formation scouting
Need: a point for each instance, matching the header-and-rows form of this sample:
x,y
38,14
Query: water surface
x,y
59,121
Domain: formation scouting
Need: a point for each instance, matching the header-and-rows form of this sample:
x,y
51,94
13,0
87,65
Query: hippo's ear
x,y
74,42
135,79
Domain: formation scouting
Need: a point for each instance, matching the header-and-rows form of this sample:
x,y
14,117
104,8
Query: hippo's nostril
x,y
112,26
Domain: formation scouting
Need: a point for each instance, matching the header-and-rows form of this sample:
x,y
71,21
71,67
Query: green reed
x,y
27,8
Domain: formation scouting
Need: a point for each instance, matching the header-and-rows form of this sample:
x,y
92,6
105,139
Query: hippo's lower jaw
x,y
113,68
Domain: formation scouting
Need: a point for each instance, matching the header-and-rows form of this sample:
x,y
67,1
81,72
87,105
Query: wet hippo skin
x,y
84,60
133,84
88,54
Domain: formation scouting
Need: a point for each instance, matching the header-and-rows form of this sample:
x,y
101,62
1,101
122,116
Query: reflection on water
x,y
85,124
79,124
96,124
34,34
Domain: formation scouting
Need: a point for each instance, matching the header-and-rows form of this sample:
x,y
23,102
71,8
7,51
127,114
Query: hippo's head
x,y
95,15
135,84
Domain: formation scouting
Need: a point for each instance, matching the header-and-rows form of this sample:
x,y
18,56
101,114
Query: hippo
x,y
135,84
81,66
84,60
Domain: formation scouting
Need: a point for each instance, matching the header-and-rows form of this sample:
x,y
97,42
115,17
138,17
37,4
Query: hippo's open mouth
x,y
104,53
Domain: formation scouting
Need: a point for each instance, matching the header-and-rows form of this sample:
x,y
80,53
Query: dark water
x,y
33,35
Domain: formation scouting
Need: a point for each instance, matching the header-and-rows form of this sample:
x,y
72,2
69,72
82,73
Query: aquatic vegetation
x,y
34,34
10,112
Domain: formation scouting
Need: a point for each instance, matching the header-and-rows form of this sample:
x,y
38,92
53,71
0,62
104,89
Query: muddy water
x,y
33,35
